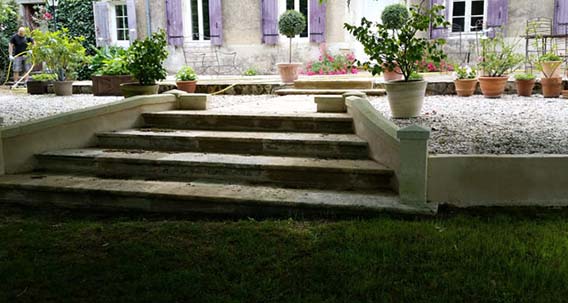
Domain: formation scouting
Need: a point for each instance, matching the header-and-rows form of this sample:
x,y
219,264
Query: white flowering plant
x,y
465,72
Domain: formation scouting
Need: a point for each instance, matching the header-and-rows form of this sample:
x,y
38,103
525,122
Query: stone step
x,y
307,91
196,197
208,120
345,84
345,146
283,171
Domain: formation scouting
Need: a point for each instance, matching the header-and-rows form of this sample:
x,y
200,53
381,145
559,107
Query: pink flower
x,y
311,73
47,16
321,72
354,70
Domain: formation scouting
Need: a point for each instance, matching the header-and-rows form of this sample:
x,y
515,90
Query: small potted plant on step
x,y
394,16
497,60
144,61
466,80
406,48
290,24
551,81
62,54
525,84
186,79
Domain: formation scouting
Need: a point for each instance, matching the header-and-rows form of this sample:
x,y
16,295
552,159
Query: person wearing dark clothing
x,y
19,44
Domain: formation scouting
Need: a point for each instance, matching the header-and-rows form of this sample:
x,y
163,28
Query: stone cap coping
x,y
413,132
354,93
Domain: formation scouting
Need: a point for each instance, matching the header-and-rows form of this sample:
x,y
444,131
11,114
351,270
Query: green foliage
x,y
525,76
414,76
109,61
498,57
44,77
186,73
77,16
404,47
465,72
9,21
145,59
250,72
394,16
291,23
61,53
549,57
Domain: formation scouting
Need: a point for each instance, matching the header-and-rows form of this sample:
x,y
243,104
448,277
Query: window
x,y
200,20
467,15
302,7
121,23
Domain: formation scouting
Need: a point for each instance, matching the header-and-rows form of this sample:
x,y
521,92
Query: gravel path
x,y
17,108
476,125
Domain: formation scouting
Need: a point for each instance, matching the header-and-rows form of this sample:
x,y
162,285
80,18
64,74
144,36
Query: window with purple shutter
x,y
102,20
440,32
317,21
561,17
216,22
497,13
270,22
132,27
174,22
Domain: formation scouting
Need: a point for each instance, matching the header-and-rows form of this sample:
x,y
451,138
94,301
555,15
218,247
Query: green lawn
x,y
55,257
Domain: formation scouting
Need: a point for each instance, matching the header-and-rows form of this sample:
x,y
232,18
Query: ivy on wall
x,y
77,17
9,22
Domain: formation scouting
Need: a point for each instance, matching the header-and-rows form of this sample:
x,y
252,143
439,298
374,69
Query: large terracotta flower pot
x,y
405,97
135,89
465,87
288,71
63,88
551,69
493,87
551,87
187,86
392,75
525,87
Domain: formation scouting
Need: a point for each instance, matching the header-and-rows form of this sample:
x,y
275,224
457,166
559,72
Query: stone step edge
x,y
340,117
293,91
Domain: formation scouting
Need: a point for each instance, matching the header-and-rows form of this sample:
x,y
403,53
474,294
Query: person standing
x,y
19,44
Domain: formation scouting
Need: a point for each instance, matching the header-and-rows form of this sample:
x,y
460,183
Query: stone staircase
x,y
331,87
202,162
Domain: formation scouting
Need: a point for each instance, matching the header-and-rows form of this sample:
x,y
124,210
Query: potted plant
x,y
406,48
393,17
525,84
549,65
62,54
497,60
38,84
109,66
290,24
466,80
144,61
186,79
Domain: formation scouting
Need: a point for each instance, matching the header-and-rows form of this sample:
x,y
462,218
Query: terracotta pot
x,y
393,75
135,89
109,85
63,88
405,98
493,87
551,87
187,86
565,94
551,69
465,87
525,87
288,71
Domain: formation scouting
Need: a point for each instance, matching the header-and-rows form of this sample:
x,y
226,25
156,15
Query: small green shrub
x,y
549,57
145,59
525,76
498,57
250,72
414,76
186,73
44,77
291,23
394,16
465,72
61,53
9,20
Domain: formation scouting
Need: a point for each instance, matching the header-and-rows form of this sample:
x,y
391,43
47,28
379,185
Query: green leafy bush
x,y
525,76
549,57
465,72
145,59
44,77
498,57
186,73
394,16
61,53
9,20
77,16
250,72
291,23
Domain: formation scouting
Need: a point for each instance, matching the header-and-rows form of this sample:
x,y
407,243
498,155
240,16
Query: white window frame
x,y
114,27
188,30
467,22
282,9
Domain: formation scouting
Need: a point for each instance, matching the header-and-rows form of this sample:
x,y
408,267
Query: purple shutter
x,y
102,30
270,22
440,32
174,22
561,17
132,27
497,13
216,22
317,12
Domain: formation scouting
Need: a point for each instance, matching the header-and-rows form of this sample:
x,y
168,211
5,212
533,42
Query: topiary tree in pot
x,y
144,61
393,17
290,24
404,48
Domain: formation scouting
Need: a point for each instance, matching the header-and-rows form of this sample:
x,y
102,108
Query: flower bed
x,y
331,64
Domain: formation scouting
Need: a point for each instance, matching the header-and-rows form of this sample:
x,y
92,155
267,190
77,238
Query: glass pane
x,y
289,4
458,24
459,9
194,21
304,11
206,26
476,24
477,8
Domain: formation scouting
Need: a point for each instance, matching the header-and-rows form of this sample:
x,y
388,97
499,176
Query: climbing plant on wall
x,y
77,17
9,22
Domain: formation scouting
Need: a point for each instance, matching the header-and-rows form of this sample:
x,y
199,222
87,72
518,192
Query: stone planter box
x,y
109,85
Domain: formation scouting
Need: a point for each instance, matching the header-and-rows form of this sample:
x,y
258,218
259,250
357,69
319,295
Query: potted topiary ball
x,y
186,79
394,16
290,24
144,61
